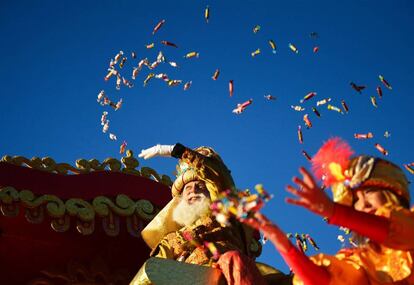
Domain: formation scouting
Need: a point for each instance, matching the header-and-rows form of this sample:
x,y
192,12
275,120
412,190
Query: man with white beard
x,y
185,227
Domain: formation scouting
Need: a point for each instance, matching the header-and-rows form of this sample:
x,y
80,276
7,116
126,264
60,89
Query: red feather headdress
x,y
331,161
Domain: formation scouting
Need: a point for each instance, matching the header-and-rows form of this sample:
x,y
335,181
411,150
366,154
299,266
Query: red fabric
x,y
305,269
26,248
368,225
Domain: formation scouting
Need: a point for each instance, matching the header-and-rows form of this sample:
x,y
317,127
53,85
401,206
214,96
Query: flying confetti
x,y
387,134
256,29
150,46
112,137
231,88
315,49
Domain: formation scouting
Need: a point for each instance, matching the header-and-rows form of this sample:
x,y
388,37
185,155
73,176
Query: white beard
x,y
186,214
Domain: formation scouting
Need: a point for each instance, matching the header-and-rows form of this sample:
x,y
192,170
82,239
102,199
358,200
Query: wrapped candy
x,y
379,91
307,121
111,72
385,82
256,52
101,96
312,242
216,74
270,97
300,135
364,136
173,64
381,149
409,167
170,44
323,101
192,54
297,108
344,106
207,14
316,112
158,26
122,147
118,82
356,87
241,107
334,108
118,57
308,96
293,48
174,82
374,101
104,118
105,127
305,154
149,76
272,45
187,85
150,46
121,64
387,134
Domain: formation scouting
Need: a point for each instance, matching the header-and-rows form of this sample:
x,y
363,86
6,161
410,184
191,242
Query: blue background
x,y
55,55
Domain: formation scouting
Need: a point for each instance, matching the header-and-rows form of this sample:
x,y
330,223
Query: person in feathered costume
x,y
370,197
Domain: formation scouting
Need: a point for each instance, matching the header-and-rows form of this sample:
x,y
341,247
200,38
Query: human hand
x,y
157,150
269,230
309,195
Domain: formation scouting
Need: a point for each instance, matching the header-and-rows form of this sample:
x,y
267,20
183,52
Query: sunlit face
x,y
194,191
369,200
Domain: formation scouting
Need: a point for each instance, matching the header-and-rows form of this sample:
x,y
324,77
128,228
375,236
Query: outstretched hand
x,y
270,230
157,150
309,195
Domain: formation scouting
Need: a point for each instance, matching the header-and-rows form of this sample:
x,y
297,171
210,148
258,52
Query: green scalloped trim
x,y
84,211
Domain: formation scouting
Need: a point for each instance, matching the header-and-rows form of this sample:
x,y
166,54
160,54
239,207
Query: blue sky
x,y
55,55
